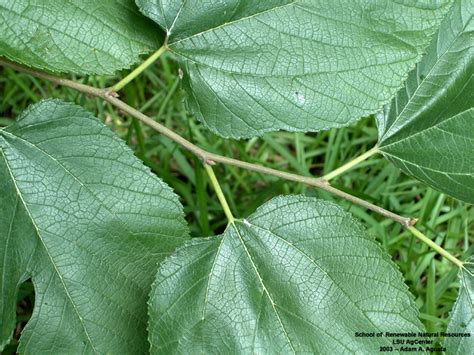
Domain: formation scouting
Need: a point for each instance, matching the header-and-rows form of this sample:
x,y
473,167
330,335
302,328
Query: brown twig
x,y
207,157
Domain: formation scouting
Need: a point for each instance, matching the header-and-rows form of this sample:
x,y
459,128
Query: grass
x,y
432,280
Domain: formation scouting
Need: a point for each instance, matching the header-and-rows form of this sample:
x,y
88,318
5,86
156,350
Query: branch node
x,y
111,93
324,182
208,161
412,222
408,222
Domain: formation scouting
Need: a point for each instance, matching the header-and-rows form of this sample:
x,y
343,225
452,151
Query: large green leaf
x,y
78,36
84,218
462,316
427,131
300,65
299,275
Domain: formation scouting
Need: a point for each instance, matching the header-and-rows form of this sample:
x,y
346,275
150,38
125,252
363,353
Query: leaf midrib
x,y
324,271
83,185
40,237
395,157
4,270
321,269
224,24
389,134
295,3
263,285
424,131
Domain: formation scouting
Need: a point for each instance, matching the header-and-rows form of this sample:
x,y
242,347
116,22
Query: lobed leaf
x,y
427,130
462,316
299,65
298,276
77,36
82,217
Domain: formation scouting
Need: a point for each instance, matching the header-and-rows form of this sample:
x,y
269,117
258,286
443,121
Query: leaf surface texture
x,y
256,66
84,218
427,131
77,36
462,315
298,276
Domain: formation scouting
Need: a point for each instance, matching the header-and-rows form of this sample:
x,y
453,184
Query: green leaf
x,y
84,218
77,36
299,65
462,316
299,275
427,130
